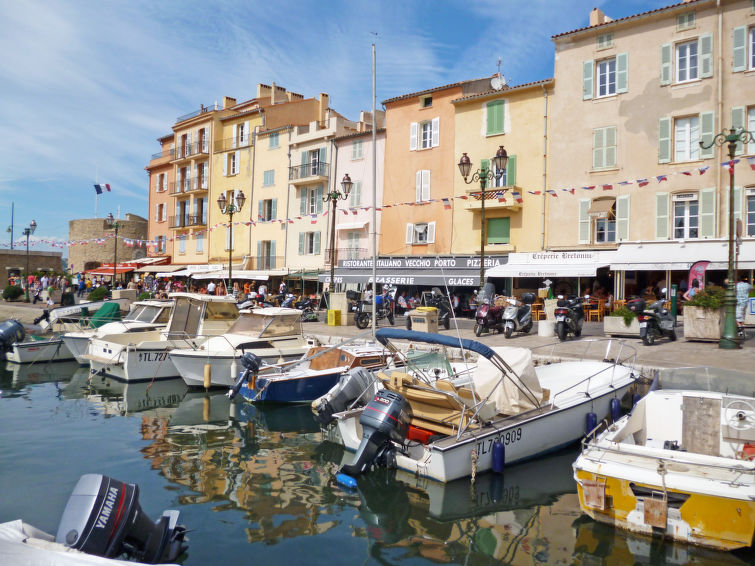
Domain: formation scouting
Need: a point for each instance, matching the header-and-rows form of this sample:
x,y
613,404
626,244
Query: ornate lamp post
x,y
729,338
230,208
115,225
483,176
333,197
28,231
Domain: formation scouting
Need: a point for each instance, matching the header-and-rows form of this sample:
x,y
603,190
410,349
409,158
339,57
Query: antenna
x,y
498,81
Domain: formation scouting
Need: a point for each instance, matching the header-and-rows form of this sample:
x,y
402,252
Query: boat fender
x,y
499,456
207,376
615,409
591,421
346,481
234,369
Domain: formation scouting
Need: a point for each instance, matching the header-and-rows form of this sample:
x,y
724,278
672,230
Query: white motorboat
x,y
506,405
146,315
680,465
273,333
39,350
143,356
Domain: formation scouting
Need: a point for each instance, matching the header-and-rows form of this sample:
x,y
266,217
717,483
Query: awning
x,y
418,278
161,268
237,274
601,208
675,255
351,225
105,271
545,270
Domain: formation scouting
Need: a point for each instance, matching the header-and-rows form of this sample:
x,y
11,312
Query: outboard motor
x,y
384,419
103,517
252,364
351,386
11,331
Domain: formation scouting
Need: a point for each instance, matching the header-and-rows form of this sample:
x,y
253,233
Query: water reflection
x,y
18,376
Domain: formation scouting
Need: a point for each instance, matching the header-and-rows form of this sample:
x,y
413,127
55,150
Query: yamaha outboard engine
x,y
11,331
103,517
384,419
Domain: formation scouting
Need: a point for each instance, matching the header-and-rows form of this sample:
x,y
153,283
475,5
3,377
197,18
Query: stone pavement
x,y
662,354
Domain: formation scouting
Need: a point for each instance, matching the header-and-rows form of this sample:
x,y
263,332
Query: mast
x,y
374,200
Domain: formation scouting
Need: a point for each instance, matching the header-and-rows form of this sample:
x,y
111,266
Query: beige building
x,y
161,181
635,193
13,263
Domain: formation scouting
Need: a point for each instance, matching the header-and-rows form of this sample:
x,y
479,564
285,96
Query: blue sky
x,y
87,86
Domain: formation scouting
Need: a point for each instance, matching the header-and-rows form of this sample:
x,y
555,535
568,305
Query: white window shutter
x,y
622,218
436,132
413,132
206,138
587,80
225,164
418,186
661,216
426,185
246,132
708,213
236,163
233,135
584,221
165,213
739,53
666,63
431,232
622,73
157,213
664,140
409,233
705,49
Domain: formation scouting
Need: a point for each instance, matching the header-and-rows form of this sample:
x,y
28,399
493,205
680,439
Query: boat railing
x,y
610,350
584,383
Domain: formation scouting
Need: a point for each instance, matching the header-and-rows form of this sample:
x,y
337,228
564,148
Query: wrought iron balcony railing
x,y
308,170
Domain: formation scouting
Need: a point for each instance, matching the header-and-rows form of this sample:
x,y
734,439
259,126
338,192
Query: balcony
x,y
202,110
346,253
308,172
188,185
163,154
187,220
196,220
191,150
229,144
495,198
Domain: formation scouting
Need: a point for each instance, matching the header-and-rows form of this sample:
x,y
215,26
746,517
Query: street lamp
x,y
28,232
483,176
114,224
333,197
729,338
230,209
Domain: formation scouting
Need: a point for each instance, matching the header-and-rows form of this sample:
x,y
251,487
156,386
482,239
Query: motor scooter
x,y
517,316
488,316
655,321
570,315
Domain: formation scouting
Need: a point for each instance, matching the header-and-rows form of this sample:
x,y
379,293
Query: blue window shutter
x,y
303,203
664,140
301,243
318,198
316,245
666,62
622,72
739,53
587,80
272,255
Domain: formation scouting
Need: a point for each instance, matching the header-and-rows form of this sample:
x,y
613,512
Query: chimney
x,y
597,17
324,103
228,102
263,91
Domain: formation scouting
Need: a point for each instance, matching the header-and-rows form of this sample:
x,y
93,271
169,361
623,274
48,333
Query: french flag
x,y
99,188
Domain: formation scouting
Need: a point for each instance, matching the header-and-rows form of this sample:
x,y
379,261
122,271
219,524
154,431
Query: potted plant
x,y
621,322
704,314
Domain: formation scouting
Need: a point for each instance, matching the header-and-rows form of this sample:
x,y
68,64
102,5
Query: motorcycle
x,y
488,315
307,308
570,315
517,316
384,306
655,322
438,300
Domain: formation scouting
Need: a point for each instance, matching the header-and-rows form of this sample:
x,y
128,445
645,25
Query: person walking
x,y
743,297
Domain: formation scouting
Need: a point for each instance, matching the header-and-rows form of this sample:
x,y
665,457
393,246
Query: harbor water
x,y
256,484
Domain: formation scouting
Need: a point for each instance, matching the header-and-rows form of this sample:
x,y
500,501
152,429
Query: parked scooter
x,y
570,315
384,305
307,308
488,316
655,321
517,315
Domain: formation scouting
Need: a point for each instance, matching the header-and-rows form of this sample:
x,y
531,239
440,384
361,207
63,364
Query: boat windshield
x,y
487,294
704,378
268,326
149,313
430,364
135,313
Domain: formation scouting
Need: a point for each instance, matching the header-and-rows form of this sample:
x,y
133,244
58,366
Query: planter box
x,y
750,312
703,324
614,326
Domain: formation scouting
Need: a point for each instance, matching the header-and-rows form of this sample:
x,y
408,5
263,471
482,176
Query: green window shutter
x,y
610,153
598,148
737,209
584,221
495,111
260,205
272,255
316,245
708,213
664,140
259,255
274,211
622,218
661,216
304,172
498,231
739,52
738,121
511,171
622,72
485,165
707,124
303,202
301,243
705,48
323,159
318,199
666,53
587,80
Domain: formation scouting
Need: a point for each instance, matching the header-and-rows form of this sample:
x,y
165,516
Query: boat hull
x,y
133,364
291,389
50,350
77,345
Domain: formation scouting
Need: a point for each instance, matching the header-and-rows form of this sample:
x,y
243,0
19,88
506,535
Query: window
x,y
268,177
241,134
685,21
422,192
199,239
426,101
309,243
508,178
311,200
498,231
686,215
679,138
182,244
355,196
605,230
356,149
495,123
424,135
750,231
605,40
686,139
160,213
606,77
160,244
267,209
421,233
231,163
687,61
273,141
751,128
604,220
354,245
604,148
200,211
202,173
266,254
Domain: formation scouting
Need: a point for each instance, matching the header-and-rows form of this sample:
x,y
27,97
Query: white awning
x,y
351,225
676,255
545,270
162,268
237,274
177,273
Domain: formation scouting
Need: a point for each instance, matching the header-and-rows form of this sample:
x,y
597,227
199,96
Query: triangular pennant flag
x,y
642,182
662,178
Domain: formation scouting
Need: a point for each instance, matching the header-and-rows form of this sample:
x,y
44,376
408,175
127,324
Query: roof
x,y
435,89
359,134
687,4
507,89
242,114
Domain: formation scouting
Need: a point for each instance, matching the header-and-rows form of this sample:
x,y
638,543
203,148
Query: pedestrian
x,y
211,288
743,297
236,290
692,291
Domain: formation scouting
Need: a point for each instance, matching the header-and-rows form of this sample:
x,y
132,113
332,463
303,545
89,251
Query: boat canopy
x,y
384,335
109,312
520,392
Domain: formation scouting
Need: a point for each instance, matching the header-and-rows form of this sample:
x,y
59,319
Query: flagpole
x,y
96,182
374,201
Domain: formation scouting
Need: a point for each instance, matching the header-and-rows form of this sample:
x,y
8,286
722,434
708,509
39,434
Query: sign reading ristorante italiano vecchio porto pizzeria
x,y
456,262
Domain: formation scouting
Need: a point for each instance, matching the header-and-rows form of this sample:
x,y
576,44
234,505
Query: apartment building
x,y
632,190
161,179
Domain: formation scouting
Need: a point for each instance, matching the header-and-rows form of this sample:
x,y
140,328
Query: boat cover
x,y
109,312
24,545
384,335
513,394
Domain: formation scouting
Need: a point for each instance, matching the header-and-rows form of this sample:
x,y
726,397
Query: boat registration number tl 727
x,y
509,437
153,356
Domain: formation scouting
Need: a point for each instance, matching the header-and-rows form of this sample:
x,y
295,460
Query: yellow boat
x,y
680,466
